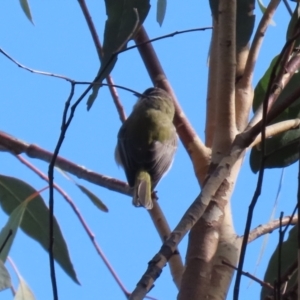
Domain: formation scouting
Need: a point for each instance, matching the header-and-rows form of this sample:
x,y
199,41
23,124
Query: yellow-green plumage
x,y
146,143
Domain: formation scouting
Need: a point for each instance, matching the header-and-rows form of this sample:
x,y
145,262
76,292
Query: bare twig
x,y
269,227
287,5
16,146
257,192
262,283
98,46
32,70
257,42
188,220
81,220
287,67
64,126
162,227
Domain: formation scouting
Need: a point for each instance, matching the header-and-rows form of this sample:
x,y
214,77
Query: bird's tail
x,y
142,190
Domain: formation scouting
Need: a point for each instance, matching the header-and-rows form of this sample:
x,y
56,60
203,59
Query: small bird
x,y
147,141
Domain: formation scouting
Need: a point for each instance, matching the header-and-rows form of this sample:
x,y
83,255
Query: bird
x,y
147,142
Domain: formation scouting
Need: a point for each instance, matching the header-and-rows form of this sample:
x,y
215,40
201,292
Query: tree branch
x,y
191,216
225,115
269,227
162,227
200,155
16,146
277,128
81,220
98,46
247,274
257,42
211,99
279,80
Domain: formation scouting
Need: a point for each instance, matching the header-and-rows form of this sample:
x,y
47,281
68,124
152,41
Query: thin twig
x,y
32,70
262,127
64,127
162,227
262,283
81,220
16,146
287,5
98,46
257,41
284,68
269,227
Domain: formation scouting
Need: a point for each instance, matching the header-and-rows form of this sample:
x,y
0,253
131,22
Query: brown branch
x,y
35,71
257,42
81,220
247,274
98,46
191,216
199,154
280,80
162,227
269,227
16,146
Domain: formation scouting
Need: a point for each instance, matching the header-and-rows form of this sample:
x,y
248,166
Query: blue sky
x,y
31,110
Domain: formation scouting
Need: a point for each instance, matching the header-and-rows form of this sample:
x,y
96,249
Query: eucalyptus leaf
x,y
35,221
291,28
288,257
98,203
282,149
5,281
123,18
161,11
9,231
26,9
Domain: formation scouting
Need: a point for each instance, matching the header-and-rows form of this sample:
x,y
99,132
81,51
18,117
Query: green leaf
x,y
161,11
288,257
93,198
262,85
291,28
35,221
87,192
23,292
123,16
26,9
9,231
5,281
282,149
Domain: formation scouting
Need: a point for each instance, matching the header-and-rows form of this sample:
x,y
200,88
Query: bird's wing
x,y
155,158
160,158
